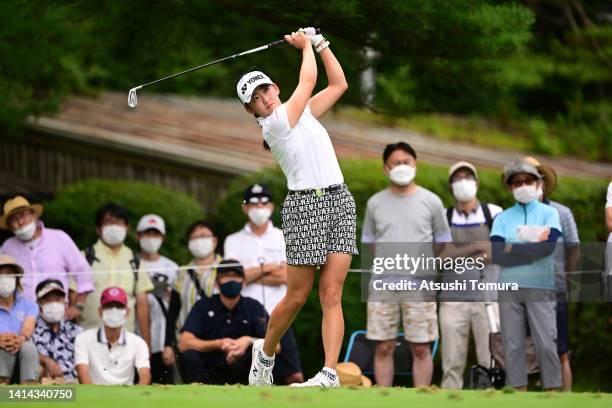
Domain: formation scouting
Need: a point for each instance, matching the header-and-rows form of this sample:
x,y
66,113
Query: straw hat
x,y
548,174
350,375
16,204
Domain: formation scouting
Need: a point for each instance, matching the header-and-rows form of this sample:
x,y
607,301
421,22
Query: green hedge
x,y
589,337
73,210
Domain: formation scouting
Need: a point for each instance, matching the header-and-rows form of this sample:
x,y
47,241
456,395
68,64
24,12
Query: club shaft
x,y
263,47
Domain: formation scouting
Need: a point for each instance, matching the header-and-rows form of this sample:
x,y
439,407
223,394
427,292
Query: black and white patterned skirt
x,y
318,223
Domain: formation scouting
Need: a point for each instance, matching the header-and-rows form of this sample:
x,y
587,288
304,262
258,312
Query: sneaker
x,y
324,378
261,366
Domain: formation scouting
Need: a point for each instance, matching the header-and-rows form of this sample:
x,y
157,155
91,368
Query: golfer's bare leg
x,y
384,365
422,364
566,372
331,281
299,285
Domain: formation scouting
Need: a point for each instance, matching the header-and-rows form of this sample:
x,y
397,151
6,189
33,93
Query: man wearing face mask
x,y
17,322
523,241
216,340
114,264
164,302
411,215
110,354
198,280
260,247
54,336
470,222
44,253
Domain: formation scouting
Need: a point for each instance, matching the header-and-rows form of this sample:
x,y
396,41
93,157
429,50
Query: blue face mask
x,y
230,289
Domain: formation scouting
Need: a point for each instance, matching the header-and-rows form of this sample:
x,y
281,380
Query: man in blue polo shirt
x,y
524,238
219,331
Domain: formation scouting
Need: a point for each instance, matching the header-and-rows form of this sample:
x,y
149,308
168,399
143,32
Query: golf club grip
x,y
279,42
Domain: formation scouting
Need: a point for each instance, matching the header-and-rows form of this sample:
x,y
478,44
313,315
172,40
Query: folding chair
x,y
360,351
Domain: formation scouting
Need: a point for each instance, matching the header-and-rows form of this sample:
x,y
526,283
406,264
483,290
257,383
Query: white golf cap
x,y
462,165
249,82
151,221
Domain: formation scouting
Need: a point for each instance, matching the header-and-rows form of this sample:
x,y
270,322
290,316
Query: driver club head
x,y
133,97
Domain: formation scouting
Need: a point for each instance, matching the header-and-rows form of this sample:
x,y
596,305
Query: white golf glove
x,y
315,39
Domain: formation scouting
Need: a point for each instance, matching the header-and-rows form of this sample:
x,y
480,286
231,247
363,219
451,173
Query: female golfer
x,y
319,211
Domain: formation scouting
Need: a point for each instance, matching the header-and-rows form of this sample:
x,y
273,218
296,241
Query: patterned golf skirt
x,y
317,222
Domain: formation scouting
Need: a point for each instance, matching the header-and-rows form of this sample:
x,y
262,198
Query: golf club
x,y
133,97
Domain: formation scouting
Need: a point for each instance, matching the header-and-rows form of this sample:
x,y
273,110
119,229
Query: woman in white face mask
x,y
199,280
15,332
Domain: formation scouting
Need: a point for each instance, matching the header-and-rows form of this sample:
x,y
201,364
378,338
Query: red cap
x,y
113,294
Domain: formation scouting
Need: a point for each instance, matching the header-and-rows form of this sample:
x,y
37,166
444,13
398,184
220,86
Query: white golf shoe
x,y
324,378
261,367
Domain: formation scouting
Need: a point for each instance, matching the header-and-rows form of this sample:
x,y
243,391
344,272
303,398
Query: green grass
x,y
184,396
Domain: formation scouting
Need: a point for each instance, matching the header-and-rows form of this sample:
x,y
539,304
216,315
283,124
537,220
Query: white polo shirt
x,y
111,365
305,153
252,250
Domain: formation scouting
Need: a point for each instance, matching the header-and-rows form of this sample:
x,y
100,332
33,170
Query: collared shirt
x,y
113,269
58,346
210,320
188,291
251,250
11,320
52,256
111,364
541,273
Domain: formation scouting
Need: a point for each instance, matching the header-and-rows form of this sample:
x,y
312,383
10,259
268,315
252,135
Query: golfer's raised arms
x,y
336,85
308,78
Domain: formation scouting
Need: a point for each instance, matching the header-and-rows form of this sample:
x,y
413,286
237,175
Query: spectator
x,y
44,253
608,260
566,256
519,237
470,221
110,354
17,320
260,247
54,335
198,282
215,342
164,302
404,213
114,264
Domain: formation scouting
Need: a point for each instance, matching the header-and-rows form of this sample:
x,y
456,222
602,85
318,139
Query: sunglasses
x,y
520,182
258,200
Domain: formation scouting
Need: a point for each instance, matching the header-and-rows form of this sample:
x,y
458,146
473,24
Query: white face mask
x,y
26,233
114,317
7,285
53,312
201,247
259,215
113,235
540,192
402,175
525,194
464,190
150,244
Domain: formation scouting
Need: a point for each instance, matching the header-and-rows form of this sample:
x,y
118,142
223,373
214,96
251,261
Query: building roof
x,y
218,135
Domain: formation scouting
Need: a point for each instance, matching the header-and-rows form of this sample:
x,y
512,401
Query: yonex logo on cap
x,y
255,78
244,88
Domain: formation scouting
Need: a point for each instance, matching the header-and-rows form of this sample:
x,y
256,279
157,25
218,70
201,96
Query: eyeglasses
x,y
258,200
520,182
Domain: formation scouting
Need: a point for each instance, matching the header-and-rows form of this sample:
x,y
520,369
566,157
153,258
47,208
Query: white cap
x,y
151,221
249,82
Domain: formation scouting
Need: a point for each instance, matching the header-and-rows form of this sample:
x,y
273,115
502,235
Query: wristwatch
x,y
80,307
